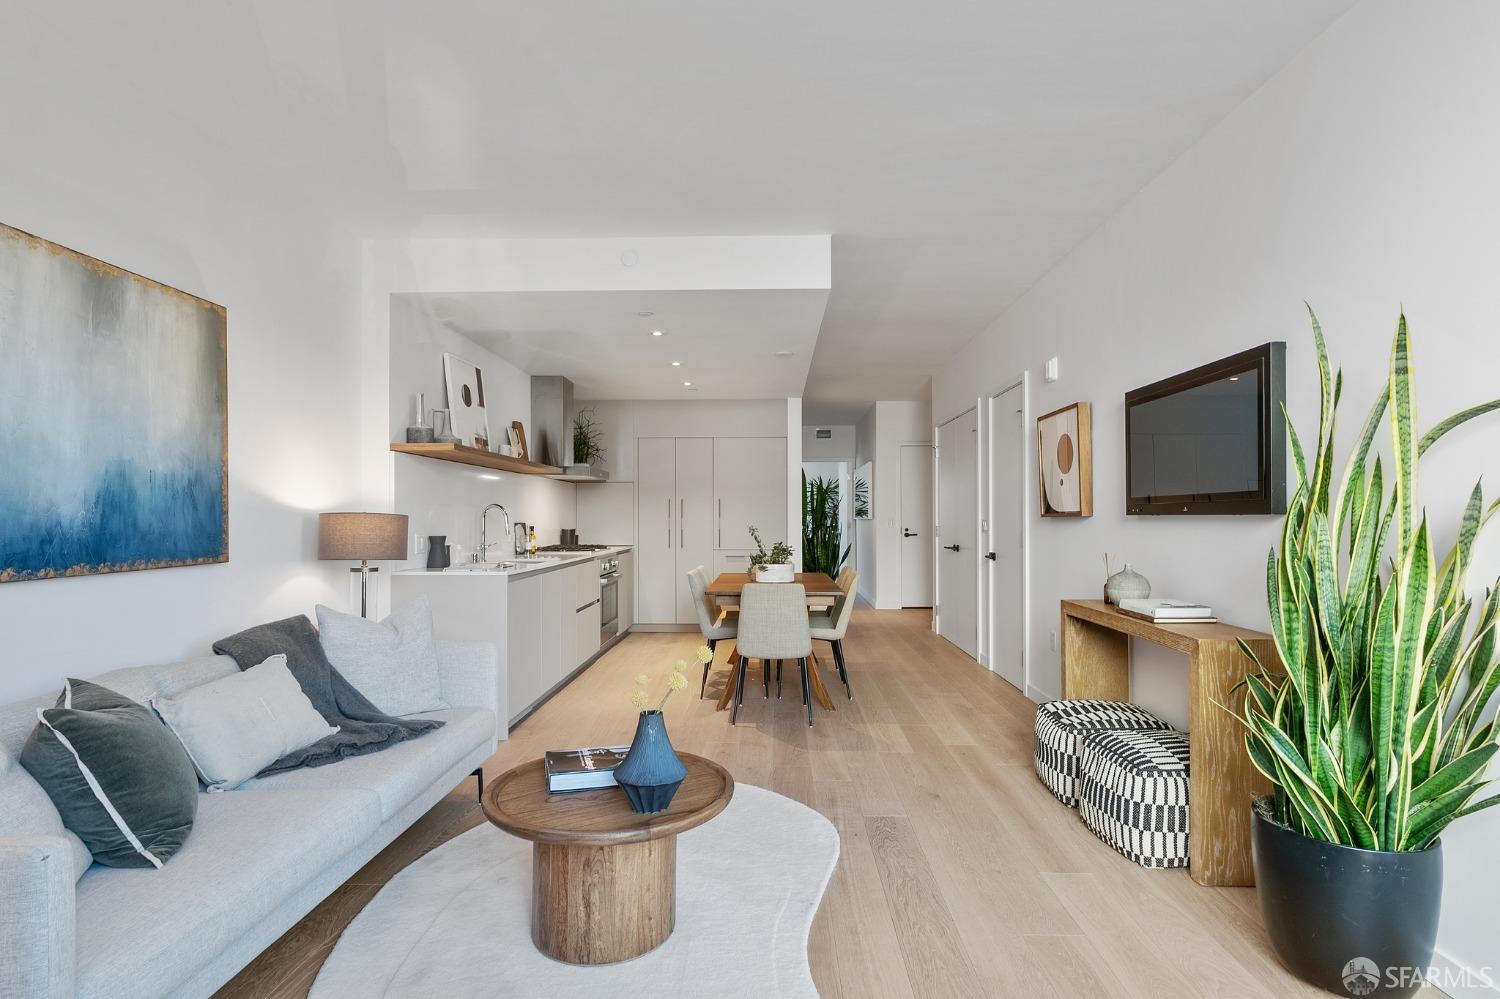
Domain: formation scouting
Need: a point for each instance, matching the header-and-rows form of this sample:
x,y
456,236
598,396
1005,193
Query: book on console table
x,y
1168,611
582,769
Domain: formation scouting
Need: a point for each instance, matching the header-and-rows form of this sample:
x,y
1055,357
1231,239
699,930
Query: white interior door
x,y
957,565
916,525
695,518
656,530
1006,559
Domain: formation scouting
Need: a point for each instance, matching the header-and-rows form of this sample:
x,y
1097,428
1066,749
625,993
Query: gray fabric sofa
x,y
258,859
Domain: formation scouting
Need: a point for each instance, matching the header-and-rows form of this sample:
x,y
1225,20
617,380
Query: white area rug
x,y
457,922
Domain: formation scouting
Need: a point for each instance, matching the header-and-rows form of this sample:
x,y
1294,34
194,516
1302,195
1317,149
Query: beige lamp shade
x,y
361,536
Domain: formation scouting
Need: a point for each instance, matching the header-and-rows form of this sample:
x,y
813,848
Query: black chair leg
x,y
479,775
712,645
838,656
778,679
807,693
765,676
739,691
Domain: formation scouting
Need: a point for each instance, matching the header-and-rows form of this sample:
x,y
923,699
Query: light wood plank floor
x,y
959,874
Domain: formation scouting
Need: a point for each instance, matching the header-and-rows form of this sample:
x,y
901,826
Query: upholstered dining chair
x,y
708,620
773,625
831,626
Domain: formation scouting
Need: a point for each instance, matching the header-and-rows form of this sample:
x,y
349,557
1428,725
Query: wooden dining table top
x,y
817,584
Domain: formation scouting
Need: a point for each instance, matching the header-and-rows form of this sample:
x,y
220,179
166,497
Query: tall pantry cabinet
x,y
696,499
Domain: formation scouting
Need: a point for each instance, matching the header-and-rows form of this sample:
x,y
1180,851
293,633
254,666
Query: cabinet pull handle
x,y
681,519
721,522
669,523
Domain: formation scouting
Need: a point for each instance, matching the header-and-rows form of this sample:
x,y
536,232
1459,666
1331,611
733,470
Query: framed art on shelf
x,y
469,421
1065,462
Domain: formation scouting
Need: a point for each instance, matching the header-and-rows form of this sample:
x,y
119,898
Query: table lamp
x,y
362,536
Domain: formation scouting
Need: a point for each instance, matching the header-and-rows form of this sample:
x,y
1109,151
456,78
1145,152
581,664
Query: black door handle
x,y
908,534
951,548
990,556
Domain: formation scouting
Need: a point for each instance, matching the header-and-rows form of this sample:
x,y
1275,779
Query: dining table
x,y
821,591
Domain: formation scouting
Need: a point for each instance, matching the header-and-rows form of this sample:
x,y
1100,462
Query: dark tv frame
x,y
1269,362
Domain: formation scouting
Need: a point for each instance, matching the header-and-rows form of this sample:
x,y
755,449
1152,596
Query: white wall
x,y
838,447
879,436
98,165
1360,178
442,497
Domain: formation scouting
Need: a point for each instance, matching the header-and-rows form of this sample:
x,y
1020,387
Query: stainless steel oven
x,y
609,600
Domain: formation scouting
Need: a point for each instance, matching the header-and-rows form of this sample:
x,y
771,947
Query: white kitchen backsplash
x,y
442,497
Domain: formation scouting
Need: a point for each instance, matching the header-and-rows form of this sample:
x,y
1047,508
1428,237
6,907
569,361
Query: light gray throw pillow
x,y
392,662
235,727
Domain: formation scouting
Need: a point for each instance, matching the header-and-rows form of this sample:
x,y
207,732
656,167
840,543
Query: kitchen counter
x,y
553,562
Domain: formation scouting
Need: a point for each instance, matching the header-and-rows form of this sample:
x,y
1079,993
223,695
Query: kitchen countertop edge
x,y
537,569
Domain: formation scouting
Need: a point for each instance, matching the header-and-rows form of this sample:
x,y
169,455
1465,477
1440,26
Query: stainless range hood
x,y
551,433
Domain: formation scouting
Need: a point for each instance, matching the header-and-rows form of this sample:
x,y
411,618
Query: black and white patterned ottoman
x,y
1133,794
1060,724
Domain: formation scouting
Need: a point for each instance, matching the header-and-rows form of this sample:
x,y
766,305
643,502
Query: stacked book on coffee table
x,y
583,769
1168,611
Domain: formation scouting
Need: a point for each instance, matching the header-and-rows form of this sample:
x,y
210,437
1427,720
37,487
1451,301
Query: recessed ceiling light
x,y
646,315
658,333
676,364
783,353
688,384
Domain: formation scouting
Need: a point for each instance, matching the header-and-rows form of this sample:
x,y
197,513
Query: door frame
x,y
987,511
937,511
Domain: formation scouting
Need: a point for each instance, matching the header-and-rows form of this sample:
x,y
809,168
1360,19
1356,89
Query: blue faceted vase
x,y
651,773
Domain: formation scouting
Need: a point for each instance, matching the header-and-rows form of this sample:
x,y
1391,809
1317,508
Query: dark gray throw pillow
x,y
118,776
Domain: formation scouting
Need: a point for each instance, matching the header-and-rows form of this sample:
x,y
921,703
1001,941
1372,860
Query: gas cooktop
x,y
572,548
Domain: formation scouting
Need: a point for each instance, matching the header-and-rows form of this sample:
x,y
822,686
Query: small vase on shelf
x,y
651,773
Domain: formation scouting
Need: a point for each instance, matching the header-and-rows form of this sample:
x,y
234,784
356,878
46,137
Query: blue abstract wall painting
x,y
113,418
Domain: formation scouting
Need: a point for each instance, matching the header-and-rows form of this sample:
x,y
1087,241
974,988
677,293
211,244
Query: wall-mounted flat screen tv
x,y
1211,440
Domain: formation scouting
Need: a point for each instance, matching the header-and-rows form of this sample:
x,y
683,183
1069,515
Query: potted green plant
x,y
588,446
822,526
774,566
1376,737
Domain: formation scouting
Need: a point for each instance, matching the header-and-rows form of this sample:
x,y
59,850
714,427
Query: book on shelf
x,y
582,769
1169,611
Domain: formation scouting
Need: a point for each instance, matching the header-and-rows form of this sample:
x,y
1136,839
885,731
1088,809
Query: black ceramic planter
x,y
1343,918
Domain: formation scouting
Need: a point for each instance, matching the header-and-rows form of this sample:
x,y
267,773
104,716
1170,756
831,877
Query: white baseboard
x,y
1039,695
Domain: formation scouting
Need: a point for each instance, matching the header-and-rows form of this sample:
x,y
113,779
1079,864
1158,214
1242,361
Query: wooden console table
x,y
1096,664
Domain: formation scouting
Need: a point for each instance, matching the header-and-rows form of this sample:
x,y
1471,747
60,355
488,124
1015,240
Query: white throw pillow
x,y
236,726
392,662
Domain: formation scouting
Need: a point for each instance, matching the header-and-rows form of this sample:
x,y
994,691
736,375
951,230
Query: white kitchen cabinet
x,y
695,517
749,491
656,529
556,625
585,582
586,631
523,682
731,562
674,525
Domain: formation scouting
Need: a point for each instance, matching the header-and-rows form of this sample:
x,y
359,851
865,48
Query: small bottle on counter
x,y
531,541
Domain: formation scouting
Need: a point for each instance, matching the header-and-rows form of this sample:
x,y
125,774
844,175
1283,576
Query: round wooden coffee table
x,y
605,877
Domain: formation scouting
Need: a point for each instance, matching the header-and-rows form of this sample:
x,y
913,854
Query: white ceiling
x,y
726,341
955,150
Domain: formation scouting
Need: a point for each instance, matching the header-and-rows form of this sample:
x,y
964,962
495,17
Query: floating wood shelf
x,y
477,457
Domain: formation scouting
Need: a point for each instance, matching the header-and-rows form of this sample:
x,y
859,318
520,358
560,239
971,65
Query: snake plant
x,y
822,526
1377,735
